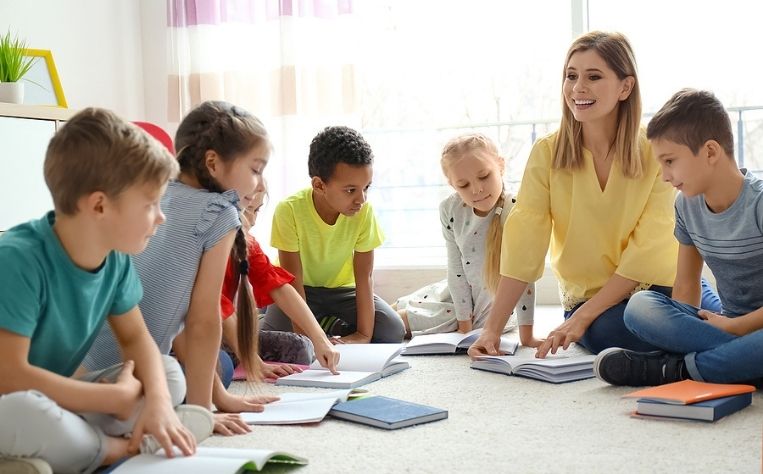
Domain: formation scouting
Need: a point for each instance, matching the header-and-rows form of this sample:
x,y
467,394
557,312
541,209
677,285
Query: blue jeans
x,y
609,329
225,368
711,354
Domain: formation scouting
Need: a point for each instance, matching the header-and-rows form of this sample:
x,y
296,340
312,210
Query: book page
x,y
307,411
324,378
363,357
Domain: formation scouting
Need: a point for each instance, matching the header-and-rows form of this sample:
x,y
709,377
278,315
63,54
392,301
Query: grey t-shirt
x,y
730,242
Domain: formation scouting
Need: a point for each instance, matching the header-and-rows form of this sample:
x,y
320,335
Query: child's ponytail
x,y
246,309
491,270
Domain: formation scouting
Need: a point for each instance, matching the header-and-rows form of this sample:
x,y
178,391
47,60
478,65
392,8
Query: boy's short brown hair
x,y
690,118
98,151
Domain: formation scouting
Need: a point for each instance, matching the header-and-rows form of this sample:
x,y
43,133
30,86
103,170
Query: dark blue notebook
x,y
709,410
387,413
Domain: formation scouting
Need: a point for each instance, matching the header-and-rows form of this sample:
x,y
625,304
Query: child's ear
x,y
318,184
713,150
212,162
628,84
93,203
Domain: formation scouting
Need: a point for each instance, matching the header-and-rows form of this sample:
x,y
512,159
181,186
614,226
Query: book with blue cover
x,y
708,410
387,413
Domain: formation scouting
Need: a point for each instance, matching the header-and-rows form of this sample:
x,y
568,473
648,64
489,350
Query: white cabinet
x,y
24,135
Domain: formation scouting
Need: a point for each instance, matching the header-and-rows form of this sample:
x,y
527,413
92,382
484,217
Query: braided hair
x,y
229,131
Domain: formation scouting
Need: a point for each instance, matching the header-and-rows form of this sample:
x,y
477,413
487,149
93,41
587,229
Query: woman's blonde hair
x,y
616,51
476,144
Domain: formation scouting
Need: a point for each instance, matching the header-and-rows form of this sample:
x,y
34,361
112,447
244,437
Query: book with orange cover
x,y
687,392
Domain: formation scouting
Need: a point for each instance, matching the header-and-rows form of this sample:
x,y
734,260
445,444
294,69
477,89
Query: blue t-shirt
x,y
730,242
59,306
196,221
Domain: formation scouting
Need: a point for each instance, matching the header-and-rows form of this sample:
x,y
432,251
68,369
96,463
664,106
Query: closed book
x,y
387,413
687,392
708,410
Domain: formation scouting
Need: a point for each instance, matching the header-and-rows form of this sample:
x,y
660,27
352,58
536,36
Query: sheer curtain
x,y
292,63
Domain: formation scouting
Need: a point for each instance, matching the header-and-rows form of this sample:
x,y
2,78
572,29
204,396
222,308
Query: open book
x,y
206,460
554,368
451,343
295,408
359,364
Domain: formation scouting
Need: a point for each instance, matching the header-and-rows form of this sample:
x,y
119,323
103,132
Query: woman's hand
x,y
487,344
565,334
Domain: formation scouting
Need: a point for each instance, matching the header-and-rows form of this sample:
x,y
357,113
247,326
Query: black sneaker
x,y
618,366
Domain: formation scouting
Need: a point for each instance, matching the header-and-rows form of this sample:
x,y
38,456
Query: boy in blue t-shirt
x,y
65,274
719,221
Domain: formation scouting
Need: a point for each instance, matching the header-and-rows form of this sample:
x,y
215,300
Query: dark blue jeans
x,y
609,330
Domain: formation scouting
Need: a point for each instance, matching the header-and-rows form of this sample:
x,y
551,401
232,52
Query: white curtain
x,y
292,63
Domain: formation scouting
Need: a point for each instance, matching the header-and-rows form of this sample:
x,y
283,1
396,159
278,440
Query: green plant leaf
x,y
14,63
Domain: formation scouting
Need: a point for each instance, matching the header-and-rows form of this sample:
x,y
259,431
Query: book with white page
x,y
451,343
359,364
295,408
206,460
554,368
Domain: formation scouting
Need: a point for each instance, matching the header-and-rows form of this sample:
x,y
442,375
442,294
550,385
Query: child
x,y
719,220
472,223
222,151
597,164
271,284
63,276
326,236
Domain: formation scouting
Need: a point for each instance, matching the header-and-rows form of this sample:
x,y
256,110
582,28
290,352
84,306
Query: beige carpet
x,y
508,424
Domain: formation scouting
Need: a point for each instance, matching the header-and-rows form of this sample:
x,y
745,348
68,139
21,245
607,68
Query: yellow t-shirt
x,y
326,251
626,229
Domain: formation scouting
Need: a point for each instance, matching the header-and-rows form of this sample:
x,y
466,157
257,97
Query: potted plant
x,y
14,63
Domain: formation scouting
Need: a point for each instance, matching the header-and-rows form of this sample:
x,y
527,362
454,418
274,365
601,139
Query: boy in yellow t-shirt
x,y
326,236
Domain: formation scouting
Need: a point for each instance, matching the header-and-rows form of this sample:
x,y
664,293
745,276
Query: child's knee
x,y
644,308
175,379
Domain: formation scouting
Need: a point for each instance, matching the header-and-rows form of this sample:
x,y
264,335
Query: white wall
x,y
96,45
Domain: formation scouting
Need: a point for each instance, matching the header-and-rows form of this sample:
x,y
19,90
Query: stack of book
x,y
691,400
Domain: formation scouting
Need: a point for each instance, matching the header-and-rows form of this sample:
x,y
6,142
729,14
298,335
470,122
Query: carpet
x,y
501,423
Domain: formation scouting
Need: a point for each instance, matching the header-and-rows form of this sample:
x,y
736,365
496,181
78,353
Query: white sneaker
x,y
198,420
24,466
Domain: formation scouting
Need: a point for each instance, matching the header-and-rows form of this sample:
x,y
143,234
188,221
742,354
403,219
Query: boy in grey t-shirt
x,y
719,221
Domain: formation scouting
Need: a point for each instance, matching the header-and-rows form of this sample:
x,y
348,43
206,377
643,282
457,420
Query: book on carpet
x,y
359,364
294,408
707,410
688,391
206,460
554,368
451,343
387,413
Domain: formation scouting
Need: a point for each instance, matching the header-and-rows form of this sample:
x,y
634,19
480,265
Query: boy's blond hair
x,y
98,151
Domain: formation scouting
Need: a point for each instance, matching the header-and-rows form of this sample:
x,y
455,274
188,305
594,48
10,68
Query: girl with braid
x,y
222,151
472,224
